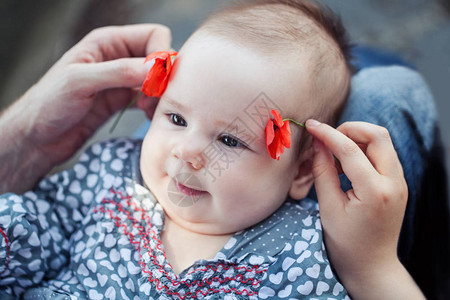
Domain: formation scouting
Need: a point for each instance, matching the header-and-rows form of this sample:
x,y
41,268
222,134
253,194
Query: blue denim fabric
x,y
365,57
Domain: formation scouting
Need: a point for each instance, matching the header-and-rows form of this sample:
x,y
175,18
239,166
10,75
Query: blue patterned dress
x,y
94,232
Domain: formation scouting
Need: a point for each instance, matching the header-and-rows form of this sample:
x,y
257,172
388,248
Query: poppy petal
x,y
278,120
152,83
278,135
156,80
279,148
270,134
271,139
160,54
286,134
274,147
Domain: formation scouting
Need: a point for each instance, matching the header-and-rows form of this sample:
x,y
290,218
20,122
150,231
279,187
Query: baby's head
x,y
293,34
205,156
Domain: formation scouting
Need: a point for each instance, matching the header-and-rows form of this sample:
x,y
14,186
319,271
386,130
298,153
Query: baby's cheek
x,y
148,157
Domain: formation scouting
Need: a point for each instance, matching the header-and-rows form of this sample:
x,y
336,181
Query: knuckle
x,y
403,189
163,29
100,31
85,57
126,73
383,133
385,195
93,34
349,147
73,79
318,169
71,74
97,34
381,194
390,192
345,125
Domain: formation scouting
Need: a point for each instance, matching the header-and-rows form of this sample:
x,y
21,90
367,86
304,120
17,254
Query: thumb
x,y
161,40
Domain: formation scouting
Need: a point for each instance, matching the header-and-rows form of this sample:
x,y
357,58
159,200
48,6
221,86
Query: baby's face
x,y
205,157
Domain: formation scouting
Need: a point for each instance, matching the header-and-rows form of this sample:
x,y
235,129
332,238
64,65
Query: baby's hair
x,y
291,29
281,24
294,27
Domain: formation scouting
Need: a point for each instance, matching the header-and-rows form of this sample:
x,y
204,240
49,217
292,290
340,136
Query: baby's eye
x,y
231,141
177,120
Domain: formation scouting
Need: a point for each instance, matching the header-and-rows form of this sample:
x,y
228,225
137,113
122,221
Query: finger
x,y
338,166
113,42
119,73
355,164
137,40
160,40
379,148
326,180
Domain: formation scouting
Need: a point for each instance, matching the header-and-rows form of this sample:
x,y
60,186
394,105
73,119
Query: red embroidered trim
x,y
161,268
8,257
159,243
144,236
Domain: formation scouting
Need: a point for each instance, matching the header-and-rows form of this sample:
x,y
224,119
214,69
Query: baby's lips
x,y
185,190
189,180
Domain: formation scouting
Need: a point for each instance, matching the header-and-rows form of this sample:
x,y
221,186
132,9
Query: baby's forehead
x,y
260,81
282,35
266,29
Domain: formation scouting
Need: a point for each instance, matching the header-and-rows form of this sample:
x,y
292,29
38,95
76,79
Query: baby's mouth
x,y
185,190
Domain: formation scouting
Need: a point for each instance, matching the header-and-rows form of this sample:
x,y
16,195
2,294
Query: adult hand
x,y
92,81
362,227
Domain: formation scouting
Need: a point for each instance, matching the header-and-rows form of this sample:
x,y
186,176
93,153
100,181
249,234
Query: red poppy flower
x,y
278,135
156,81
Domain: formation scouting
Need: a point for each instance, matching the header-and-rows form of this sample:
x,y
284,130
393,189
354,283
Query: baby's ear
x,y
304,179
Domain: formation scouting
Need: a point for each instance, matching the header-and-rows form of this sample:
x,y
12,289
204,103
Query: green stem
x,y
293,121
133,101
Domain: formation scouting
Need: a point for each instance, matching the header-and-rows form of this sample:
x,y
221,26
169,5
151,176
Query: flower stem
x,y
293,121
133,101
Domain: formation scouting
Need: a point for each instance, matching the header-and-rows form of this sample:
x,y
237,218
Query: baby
x,y
207,137
198,209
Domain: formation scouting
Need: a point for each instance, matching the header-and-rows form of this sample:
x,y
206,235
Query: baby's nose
x,y
190,153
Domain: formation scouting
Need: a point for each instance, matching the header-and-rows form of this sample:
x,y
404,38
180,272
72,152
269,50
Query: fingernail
x,y
148,65
312,123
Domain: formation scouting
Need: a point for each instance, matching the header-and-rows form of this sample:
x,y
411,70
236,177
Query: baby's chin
x,y
199,227
192,208
193,219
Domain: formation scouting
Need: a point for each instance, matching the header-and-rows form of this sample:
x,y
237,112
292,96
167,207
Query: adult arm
x,y
361,227
92,81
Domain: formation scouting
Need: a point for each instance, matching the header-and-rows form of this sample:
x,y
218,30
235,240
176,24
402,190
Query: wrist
x,y
22,166
388,280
